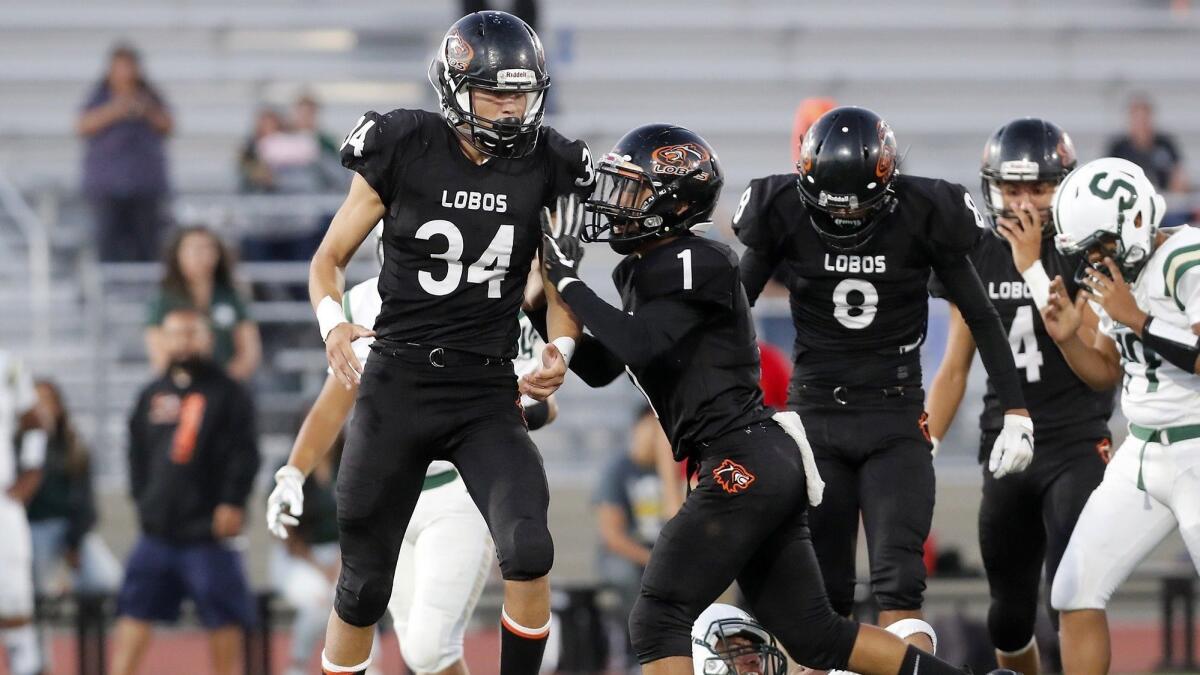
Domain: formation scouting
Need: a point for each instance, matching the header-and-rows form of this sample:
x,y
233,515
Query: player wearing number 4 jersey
x,y
460,196
1145,285
859,241
1025,518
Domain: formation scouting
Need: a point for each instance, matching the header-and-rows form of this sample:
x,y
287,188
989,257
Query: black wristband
x,y
1178,346
537,414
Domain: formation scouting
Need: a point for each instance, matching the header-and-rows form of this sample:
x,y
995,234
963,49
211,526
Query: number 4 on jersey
x,y
1023,341
357,138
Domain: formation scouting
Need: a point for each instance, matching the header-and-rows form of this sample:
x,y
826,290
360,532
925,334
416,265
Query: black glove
x,y
561,248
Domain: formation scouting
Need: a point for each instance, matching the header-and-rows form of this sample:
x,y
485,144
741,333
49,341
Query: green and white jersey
x,y
1155,393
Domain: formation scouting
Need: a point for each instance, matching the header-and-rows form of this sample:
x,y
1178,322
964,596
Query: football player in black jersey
x,y
1025,519
858,241
460,195
685,336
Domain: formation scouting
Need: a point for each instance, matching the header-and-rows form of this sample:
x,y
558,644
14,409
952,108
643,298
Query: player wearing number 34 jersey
x,y
857,241
460,195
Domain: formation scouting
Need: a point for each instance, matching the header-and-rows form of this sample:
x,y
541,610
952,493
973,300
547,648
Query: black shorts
x,y
1025,522
410,412
745,521
877,465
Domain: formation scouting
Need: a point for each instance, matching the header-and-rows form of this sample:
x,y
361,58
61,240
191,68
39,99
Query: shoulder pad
x,y
951,221
753,221
378,143
571,168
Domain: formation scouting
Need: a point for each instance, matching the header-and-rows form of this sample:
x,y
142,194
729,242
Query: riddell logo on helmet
x,y
458,52
886,164
733,477
678,160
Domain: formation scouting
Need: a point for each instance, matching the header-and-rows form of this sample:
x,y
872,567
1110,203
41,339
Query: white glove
x,y
1013,450
792,426
286,503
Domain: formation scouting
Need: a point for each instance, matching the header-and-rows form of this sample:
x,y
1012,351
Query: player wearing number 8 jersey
x,y
859,241
1025,519
460,195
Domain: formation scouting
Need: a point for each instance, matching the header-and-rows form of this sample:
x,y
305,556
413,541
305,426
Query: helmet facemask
x,y
739,647
628,206
844,224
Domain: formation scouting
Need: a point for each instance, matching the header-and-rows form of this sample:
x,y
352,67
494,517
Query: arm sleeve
x,y
593,362
756,269
965,290
635,339
241,443
756,228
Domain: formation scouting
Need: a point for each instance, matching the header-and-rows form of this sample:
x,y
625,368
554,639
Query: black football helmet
x,y
499,52
847,164
1024,150
659,179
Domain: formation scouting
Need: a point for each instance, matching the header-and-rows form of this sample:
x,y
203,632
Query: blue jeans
x,y
98,572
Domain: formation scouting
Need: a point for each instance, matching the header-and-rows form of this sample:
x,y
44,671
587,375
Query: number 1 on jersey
x,y
686,256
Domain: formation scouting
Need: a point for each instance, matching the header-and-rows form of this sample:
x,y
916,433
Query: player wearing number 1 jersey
x,y
1025,518
859,241
460,195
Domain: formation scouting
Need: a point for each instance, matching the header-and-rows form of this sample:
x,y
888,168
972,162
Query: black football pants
x,y
744,521
876,463
1026,519
408,413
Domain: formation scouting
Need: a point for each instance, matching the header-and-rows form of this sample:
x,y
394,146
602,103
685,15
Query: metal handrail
x,y
37,241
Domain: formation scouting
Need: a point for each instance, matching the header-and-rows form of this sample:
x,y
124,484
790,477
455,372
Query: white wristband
x,y
329,315
566,345
1039,284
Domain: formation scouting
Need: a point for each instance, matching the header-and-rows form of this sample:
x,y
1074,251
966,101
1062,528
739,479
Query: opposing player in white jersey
x,y
19,476
1144,284
447,550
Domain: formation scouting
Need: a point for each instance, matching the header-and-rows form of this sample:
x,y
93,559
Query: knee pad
x,y
527,552
427,645
658,629
361,600
903,588
1011,622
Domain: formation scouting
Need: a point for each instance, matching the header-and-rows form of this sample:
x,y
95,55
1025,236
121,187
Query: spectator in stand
x,y
306,119
20,471
630,511
193,455
254,173
199,274
1156,153
62,512
125,122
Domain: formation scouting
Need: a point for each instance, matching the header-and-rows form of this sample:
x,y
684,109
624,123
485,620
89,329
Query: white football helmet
x,y
1108,199
715,653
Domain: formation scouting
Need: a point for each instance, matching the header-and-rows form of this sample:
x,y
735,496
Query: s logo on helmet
x,y
733,477
885,166
678,160
458,52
